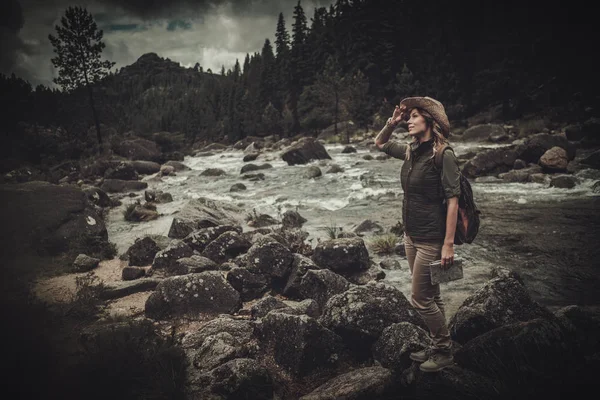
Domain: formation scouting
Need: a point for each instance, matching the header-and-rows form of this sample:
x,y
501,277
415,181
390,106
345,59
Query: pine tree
x,y
267,75
282,62
78,46
298,63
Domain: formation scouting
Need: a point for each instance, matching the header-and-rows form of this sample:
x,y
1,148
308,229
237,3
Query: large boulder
x,y
321,285
482,132
44,217
396,342
344,256
563,181
119,186
359,384
199,239
270,258
205,213
138,149
490,161
361,314
535,146
298,343
226,246
554,160
166,259
206,292
539,352
500,301
305,150
300,265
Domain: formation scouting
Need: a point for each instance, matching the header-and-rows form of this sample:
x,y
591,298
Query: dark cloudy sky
x,y
211,32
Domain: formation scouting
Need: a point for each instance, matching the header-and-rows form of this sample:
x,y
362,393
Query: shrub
x,y
384,244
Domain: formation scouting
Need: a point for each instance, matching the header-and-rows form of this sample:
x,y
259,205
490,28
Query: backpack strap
x,y
438,156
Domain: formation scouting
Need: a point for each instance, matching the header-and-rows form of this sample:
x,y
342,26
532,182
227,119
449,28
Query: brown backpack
x,y
467,221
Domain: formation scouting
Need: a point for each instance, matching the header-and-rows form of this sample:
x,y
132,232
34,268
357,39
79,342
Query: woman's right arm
x,y
392,148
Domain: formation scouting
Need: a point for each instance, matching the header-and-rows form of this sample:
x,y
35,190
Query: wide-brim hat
x,y
433,107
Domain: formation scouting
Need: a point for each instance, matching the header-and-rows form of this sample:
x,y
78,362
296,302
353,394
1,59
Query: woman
x,y
429,212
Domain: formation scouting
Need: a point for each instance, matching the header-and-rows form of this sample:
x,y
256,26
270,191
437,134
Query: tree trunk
x,y
98,133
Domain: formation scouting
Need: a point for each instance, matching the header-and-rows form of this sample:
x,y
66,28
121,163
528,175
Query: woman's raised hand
x,y
398,114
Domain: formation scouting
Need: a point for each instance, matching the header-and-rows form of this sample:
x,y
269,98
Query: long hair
x,y
436,130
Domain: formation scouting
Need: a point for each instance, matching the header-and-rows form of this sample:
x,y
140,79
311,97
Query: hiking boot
x,y
420,356
437,361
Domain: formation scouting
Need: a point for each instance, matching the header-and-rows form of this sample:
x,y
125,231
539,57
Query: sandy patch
x,y
61,289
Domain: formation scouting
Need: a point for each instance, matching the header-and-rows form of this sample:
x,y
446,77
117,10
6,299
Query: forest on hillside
x,y
351,61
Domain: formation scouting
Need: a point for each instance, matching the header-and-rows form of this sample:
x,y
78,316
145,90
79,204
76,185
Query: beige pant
x,y
425,296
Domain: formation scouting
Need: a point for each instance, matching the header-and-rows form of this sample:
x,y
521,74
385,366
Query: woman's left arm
x,y
451,185
451,216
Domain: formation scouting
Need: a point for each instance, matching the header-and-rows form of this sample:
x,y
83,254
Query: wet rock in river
x,y
304,151
490,161
157,196
212,172
237,187
348,149
593,160
254,167
250,157
179,166
520,175
536,145
312,172
563,182
292,219
554,160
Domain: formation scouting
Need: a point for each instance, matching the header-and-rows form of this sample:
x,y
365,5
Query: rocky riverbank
x,y
259,262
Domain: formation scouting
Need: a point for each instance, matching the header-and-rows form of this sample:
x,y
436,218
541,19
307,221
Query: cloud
x,y
210,32
178,24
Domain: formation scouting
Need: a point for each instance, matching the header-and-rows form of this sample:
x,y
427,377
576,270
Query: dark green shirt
x,y
450,167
